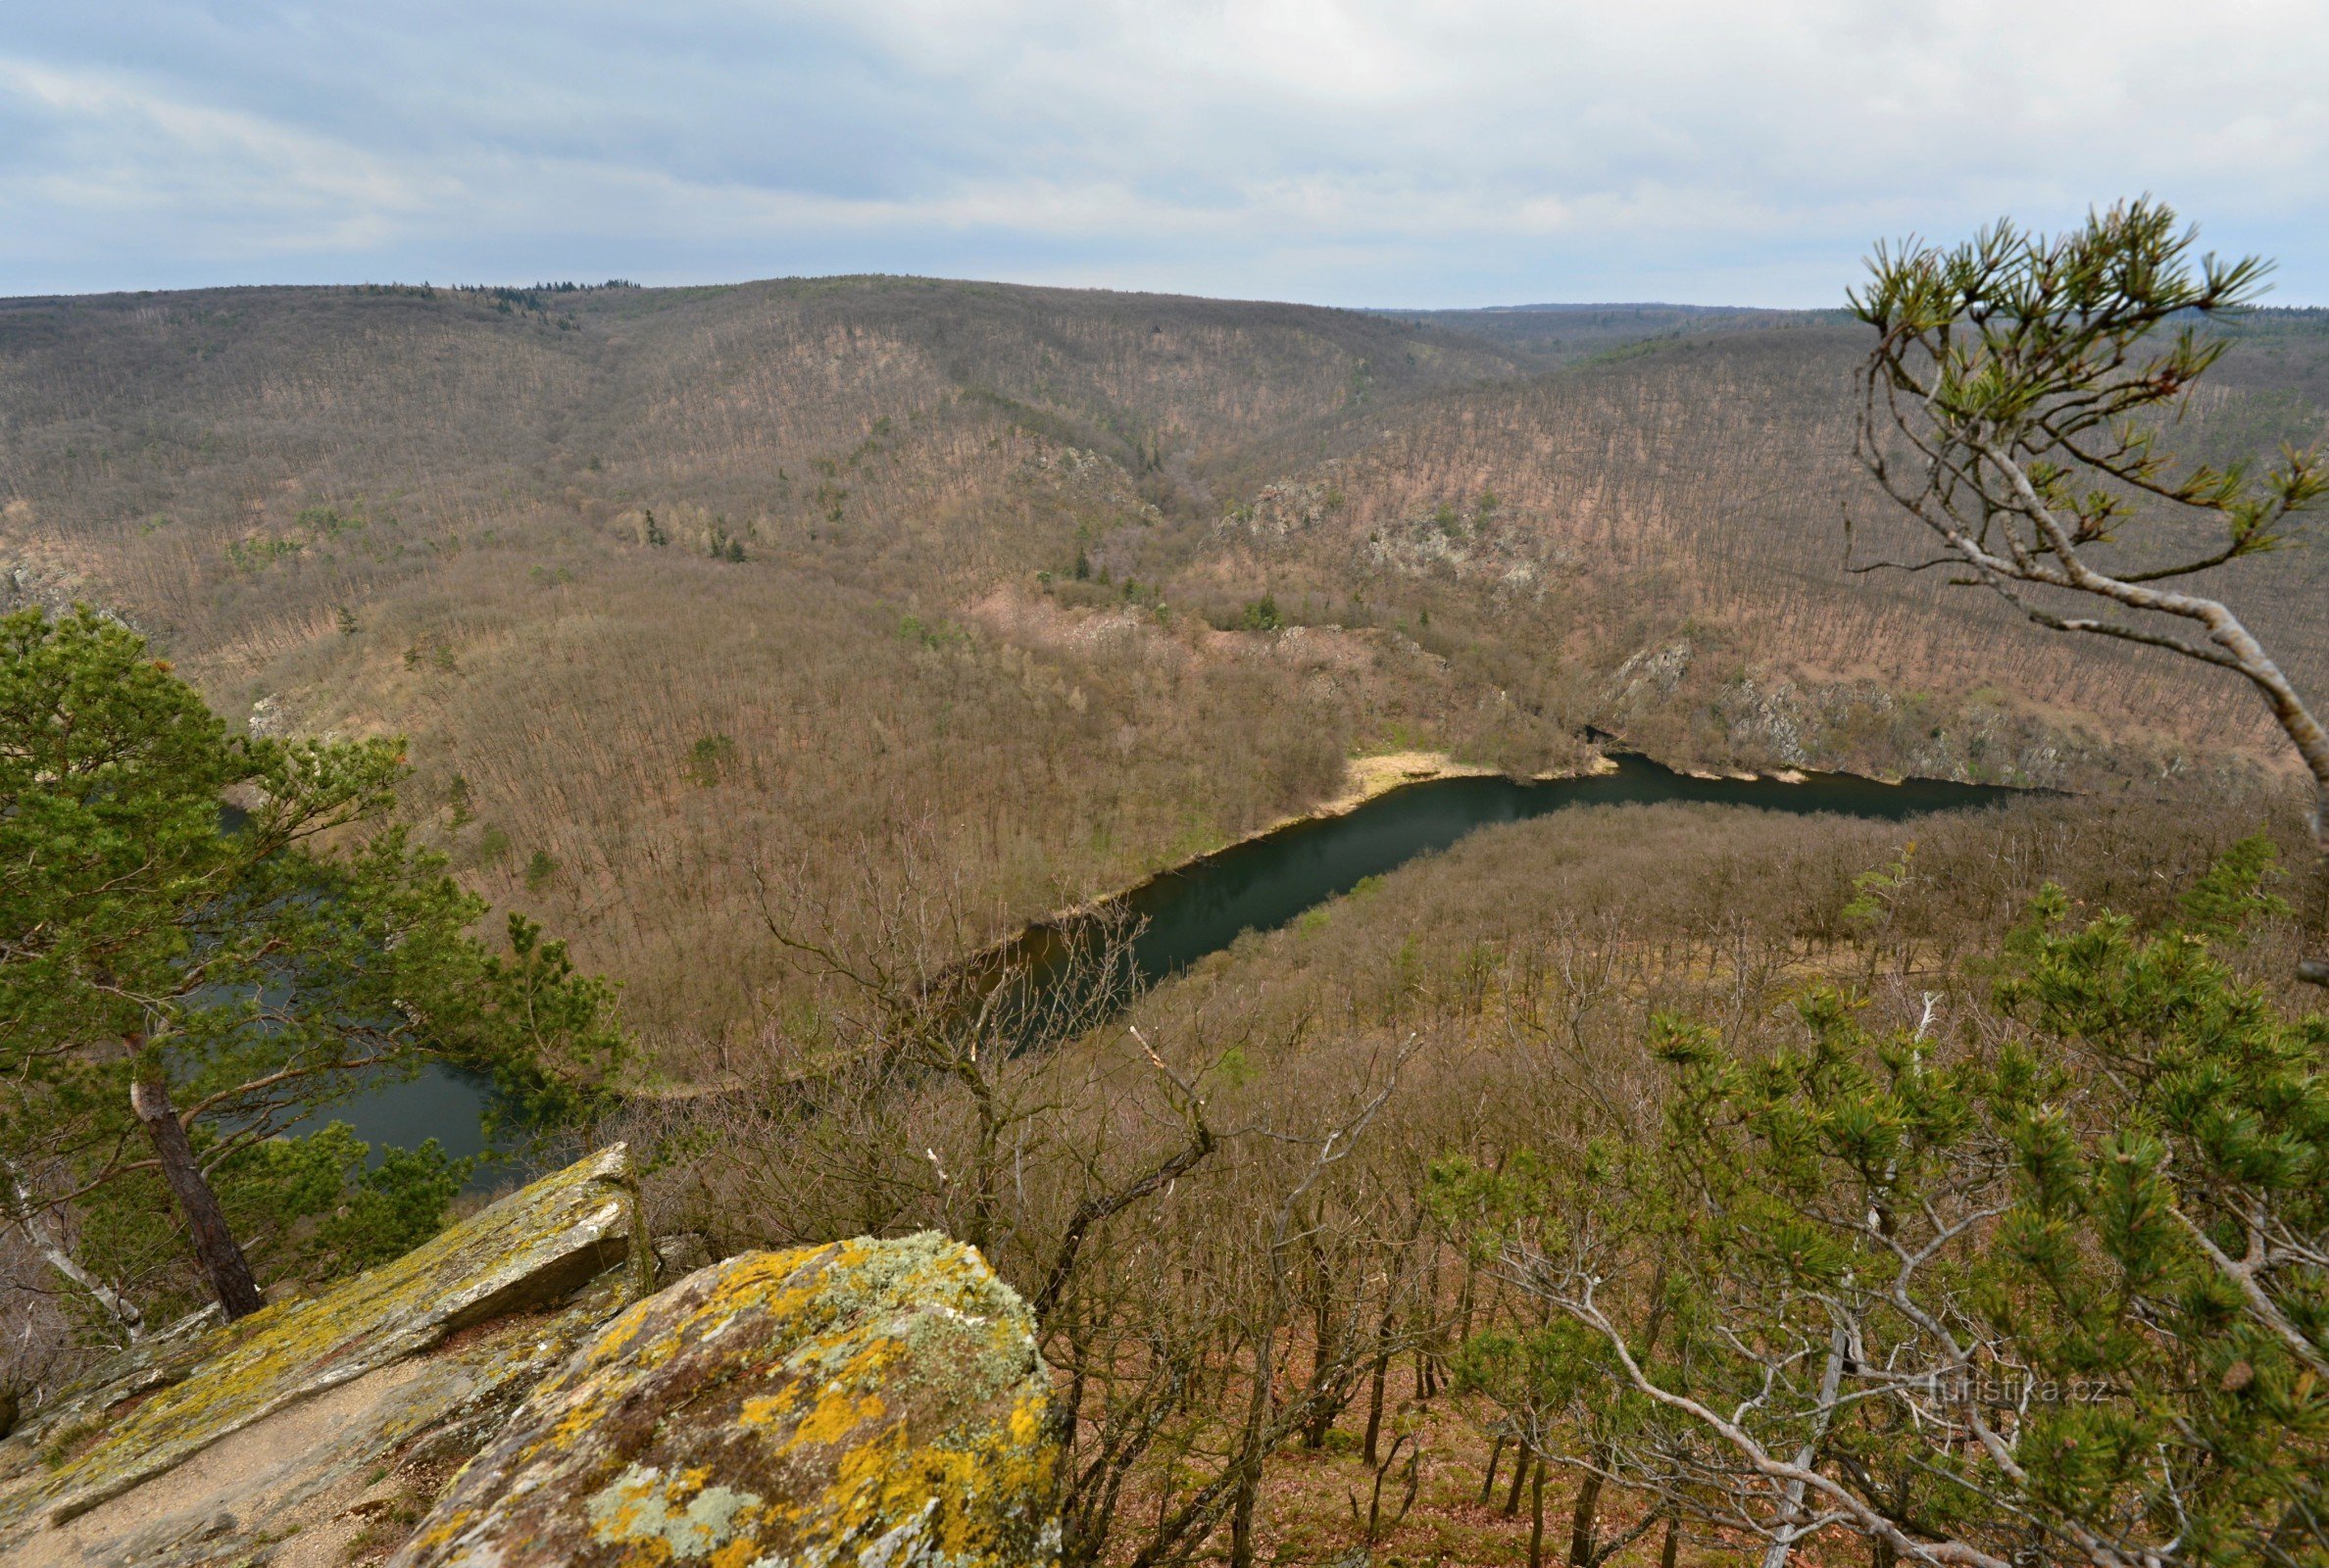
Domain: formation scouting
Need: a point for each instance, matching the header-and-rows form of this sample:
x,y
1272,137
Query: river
x,y
1263,882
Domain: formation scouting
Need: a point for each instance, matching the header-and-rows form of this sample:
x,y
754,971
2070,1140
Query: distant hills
x,y
676,590
1551,335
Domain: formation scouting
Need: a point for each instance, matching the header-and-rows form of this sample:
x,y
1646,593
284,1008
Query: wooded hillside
x,y
666,586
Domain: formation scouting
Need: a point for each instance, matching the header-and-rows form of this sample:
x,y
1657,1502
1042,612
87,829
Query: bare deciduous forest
x,y
782,644
1285,1319
664,582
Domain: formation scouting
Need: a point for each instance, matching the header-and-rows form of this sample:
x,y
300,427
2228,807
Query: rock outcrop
x,y
203,1449
873,1404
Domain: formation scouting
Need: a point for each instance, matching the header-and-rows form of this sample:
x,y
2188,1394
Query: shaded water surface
x,y
1262,883
446,1103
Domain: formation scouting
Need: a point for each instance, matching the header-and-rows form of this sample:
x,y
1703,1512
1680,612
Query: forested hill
x,y
668,586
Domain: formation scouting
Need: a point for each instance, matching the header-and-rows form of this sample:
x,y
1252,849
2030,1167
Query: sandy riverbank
x,y
1367,778
1380,774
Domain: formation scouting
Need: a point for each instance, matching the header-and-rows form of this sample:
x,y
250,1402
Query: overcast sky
x,y
1500,151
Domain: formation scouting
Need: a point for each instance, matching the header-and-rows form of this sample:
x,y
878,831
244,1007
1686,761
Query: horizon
x,y
611,283
1487,306
1326,152
1547,307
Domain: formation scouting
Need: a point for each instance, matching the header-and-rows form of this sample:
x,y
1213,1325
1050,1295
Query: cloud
x,y
1347,151
118,159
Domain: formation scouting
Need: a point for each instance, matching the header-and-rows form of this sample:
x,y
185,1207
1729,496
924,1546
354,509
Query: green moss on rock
x,y
873,1404
534,1246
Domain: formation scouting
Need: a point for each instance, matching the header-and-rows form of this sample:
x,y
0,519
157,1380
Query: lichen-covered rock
x,y
879,1405
537,1246
341,1473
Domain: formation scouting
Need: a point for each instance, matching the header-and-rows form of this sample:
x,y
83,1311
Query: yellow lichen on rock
x,y
534,1246
864,1403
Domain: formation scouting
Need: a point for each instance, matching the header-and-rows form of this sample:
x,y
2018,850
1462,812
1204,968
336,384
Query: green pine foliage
x,y
2232,892
710,758
2056,1289
235,926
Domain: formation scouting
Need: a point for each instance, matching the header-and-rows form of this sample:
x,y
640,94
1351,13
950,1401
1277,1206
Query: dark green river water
x,y
1264,882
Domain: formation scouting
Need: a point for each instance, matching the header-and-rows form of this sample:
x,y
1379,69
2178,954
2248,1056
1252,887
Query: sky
x,y
1457,153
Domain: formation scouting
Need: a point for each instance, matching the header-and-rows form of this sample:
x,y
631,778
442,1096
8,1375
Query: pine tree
x,y
182,979
2054,1292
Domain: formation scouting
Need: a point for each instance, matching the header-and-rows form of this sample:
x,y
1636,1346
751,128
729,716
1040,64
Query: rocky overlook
x,y
517,1392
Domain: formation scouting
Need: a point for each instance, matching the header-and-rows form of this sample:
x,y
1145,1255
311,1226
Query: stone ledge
x,y
534,1246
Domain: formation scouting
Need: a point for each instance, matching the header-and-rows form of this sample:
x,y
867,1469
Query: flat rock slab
x,y
536,1246
298,1486
873,1404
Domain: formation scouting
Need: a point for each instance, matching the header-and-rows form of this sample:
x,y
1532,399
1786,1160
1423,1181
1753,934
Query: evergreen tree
x,y
205,937
2056,1292
2015,405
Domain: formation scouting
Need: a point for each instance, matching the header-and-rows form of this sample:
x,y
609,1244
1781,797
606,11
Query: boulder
x,y
364,1343
875,1403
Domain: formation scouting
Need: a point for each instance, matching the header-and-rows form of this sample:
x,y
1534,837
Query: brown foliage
x,y
1267,1304
362,511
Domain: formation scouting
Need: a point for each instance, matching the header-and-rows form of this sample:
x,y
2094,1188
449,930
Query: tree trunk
x,y
1536,1528
1074,1412
1249,1450
1674,1541
2317,971
1325,1354
1427,1384
223,1261
1488,1481
26,1214
1519,1479
1584,1520
1241,1523
1783,1546
1374,1407
1378,1377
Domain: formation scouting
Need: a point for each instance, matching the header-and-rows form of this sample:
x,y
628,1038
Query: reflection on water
x,y
1262,883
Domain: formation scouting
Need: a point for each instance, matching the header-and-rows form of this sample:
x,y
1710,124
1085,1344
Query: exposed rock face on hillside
x,y
25,585
1700,706
870,1402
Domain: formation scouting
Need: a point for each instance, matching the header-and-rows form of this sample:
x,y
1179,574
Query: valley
x,y
1313,785
666,584
1370,865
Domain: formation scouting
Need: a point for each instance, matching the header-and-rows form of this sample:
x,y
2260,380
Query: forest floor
x,y
1315,1502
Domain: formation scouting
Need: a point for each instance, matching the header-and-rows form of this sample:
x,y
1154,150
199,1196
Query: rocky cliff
x,y
517,1392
